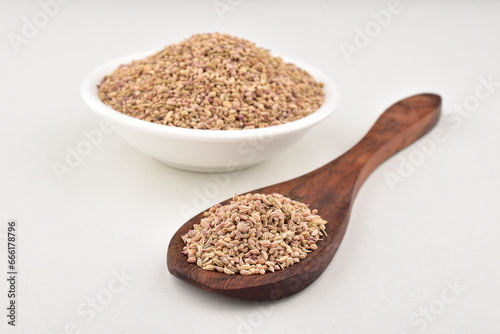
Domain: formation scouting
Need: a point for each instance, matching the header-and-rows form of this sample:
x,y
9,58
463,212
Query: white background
x,y
118,209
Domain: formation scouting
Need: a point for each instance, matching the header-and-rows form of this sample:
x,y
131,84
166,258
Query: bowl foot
x,y
208,169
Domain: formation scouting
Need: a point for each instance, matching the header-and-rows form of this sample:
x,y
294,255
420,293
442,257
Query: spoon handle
x,y
399,126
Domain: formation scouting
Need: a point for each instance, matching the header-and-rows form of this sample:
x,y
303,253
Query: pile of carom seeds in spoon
x,y
212,81
254,234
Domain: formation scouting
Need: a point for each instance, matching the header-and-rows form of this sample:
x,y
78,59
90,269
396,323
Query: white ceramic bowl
x,y
206,150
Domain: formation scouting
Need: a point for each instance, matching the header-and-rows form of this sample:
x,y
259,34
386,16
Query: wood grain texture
x,y
331,189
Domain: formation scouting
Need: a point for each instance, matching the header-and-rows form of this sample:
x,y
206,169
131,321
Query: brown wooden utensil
x,y
331,190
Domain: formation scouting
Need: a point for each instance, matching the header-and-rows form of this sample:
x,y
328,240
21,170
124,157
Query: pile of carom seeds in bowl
x,y
212,81
254,234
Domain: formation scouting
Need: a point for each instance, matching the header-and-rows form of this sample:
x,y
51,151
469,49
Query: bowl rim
x,y
89,94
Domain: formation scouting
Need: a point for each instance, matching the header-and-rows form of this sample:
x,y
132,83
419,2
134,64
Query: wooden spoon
x,y
331,190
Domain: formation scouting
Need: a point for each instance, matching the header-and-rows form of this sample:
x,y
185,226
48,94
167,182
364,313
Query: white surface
x,y
201,150
118,209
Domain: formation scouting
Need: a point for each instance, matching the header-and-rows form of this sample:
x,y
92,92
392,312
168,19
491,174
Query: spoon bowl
x,y
331,190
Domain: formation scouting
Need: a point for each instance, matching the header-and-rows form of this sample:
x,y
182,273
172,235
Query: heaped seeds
x,y
212,81
254,234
